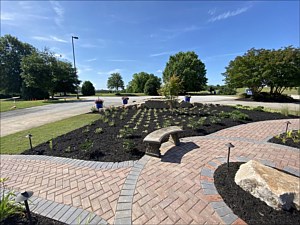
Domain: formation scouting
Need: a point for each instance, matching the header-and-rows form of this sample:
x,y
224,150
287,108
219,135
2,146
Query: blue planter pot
x,y
187,99
125,101
99,105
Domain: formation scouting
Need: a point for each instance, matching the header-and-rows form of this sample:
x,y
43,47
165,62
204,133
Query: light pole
x,y
74,63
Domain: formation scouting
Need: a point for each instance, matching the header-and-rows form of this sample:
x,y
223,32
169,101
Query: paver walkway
x,y
175,189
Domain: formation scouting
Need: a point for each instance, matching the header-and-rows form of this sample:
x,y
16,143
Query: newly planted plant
x,y
7,204
128,145
98,130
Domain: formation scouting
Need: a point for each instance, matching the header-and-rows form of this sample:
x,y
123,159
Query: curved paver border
x,y
209,188
124,206
74,162
61,212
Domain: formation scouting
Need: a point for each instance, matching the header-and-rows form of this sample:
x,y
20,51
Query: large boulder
x,y
277,189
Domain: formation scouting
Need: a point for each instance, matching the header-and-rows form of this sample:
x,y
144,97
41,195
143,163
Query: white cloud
x,y
87,45
110,72
7,16
121,60
50,38
162,53
59,11
212,11
159,71
229,14
211,58
91,60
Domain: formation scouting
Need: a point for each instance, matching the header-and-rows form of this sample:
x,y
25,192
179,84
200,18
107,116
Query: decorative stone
x,y
277,189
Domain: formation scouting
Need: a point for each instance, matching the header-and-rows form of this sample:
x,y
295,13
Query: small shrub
x,y
238,115
99,130
196,124
7,204
126,132
128,145
86,145
94,109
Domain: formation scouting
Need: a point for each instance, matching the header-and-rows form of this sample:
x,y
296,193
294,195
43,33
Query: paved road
x,y
24,119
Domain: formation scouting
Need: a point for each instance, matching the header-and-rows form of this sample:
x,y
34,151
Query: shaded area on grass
x,y
249,208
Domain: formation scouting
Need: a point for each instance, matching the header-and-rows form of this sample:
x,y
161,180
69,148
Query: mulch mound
x,y
21,219
247,207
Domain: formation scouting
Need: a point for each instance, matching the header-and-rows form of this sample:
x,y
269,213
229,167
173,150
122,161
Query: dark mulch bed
x,y
101,141
250,209
21,219
284,139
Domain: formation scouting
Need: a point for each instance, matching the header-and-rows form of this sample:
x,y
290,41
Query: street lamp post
x,y
74,63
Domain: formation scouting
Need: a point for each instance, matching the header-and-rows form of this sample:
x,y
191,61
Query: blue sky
x,y
134,36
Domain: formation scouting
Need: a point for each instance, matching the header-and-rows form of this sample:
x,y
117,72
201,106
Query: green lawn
x,y
8,105
293,91
17,143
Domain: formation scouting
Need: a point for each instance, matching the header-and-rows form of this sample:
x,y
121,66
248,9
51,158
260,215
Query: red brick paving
x,y
168,190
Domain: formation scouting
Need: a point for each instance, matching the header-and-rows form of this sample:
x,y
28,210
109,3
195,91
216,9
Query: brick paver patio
x,y
176,189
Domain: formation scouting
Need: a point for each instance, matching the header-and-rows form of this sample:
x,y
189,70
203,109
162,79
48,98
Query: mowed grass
x,y
9,105
17,143
293,91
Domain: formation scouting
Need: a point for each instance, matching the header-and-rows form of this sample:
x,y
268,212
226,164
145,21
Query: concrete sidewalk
x,y
176,189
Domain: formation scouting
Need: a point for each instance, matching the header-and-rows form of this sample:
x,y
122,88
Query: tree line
x,y
32,73
257,68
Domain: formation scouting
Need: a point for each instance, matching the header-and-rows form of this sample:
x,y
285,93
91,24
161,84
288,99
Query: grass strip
x,y
17,143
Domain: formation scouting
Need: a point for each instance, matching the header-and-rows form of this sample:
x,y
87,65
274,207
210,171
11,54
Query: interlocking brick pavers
x,y
175,180
67,184
176,189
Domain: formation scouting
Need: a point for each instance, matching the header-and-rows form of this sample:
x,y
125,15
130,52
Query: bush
x,y
267,97
151,86
88,88
29,93
226,90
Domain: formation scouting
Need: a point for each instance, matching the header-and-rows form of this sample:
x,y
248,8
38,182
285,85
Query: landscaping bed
x,y
118,134
21,219
290,138
247,207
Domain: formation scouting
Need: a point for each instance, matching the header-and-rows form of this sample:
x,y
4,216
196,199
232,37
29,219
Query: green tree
x,y
115,81
188,68
43,71
137,84
152,85
65,78
11,53
171,90
88,88
257,68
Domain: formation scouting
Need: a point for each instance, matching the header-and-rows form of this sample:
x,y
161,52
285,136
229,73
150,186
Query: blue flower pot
x,y
187,99
125,101
99,105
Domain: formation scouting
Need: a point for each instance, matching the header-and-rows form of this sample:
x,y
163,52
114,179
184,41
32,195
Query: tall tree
x,y
188,68
11,53
152,85
137,84
115,81
42,70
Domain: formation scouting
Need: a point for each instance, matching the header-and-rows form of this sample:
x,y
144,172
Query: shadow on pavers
x,y
175,154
